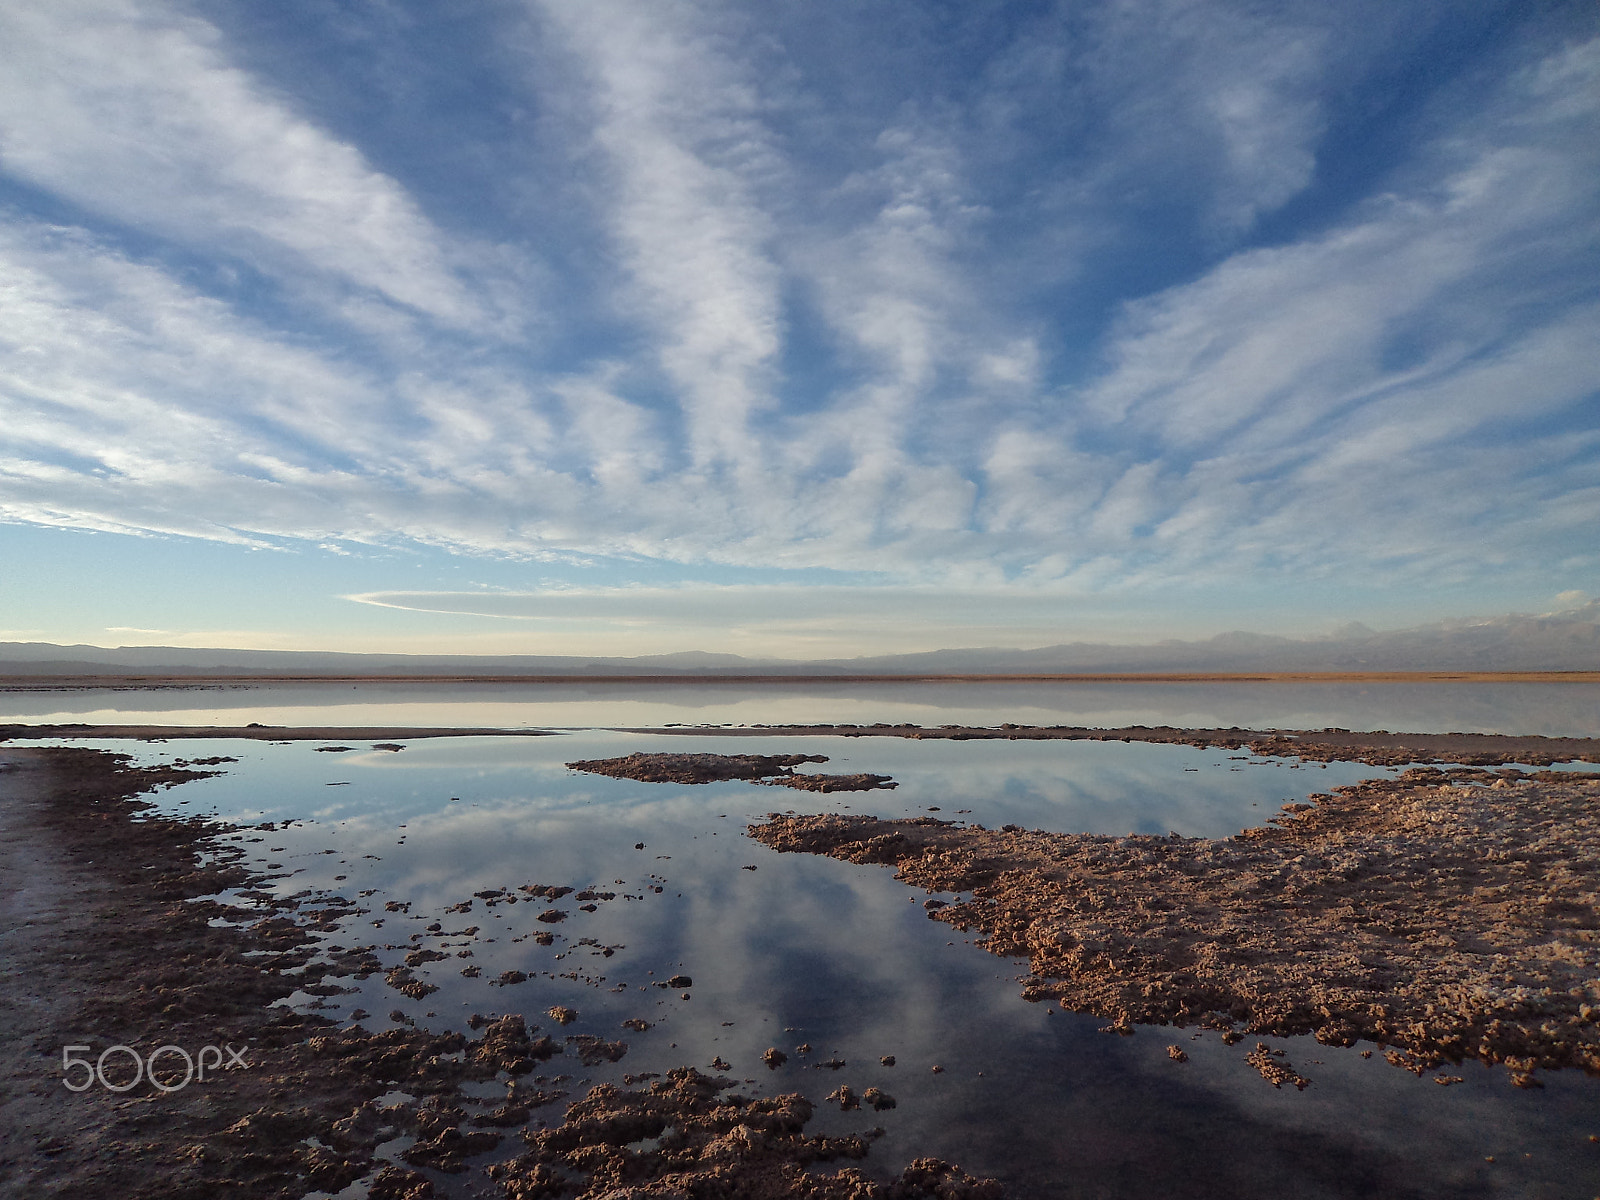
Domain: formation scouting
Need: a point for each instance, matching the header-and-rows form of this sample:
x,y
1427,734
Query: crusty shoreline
x,y
774,770
1449,915
134,960
1377,747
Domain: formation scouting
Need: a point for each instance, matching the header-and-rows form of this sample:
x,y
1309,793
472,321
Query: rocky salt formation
x,y
1445,914
776,770
1378,747
685,1135
1275,1067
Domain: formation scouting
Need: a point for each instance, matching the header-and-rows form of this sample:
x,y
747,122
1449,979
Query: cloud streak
x,y
684,147
133,112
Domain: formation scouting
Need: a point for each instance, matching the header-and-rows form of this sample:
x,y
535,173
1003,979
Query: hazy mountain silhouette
x,y
1559,641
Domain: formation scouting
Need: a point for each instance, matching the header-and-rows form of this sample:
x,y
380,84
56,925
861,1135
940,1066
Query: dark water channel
x,y
805,950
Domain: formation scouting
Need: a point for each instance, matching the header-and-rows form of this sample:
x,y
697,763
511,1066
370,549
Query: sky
x,y
798,330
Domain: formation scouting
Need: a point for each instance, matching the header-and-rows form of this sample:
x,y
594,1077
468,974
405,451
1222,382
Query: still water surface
x,y
1548,709
840,956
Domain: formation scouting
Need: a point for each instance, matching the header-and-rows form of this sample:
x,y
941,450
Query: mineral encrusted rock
x,y
774,769
1448,914
709,1143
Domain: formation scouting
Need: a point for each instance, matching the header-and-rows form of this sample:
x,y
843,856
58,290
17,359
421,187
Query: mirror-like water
x,y
1549,709
810,950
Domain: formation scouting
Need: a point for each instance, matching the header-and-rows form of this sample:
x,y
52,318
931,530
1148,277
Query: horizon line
x,y
11,681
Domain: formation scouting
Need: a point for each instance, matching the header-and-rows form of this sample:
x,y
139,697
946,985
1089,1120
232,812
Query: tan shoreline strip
x,y
27,682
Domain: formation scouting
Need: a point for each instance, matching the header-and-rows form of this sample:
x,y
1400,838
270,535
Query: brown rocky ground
x,y
110,943
773,769
107,940
708,1143
1444,914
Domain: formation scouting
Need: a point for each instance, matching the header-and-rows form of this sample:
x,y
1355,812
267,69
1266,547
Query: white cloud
x,y
679,124
131,110
1229,95
128,402
1318,403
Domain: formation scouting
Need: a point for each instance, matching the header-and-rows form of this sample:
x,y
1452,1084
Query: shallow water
x,y
1548,709
809,950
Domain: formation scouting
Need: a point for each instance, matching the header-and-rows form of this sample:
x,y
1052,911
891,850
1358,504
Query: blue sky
x,y
797,329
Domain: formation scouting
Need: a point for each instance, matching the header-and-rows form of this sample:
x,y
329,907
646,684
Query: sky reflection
x,y
810,950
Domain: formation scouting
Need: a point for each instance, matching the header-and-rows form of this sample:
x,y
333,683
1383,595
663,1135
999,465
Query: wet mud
x,y
138,963
1444,915
776,770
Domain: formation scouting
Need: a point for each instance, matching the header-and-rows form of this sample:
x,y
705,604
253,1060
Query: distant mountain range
x,y
1563,641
